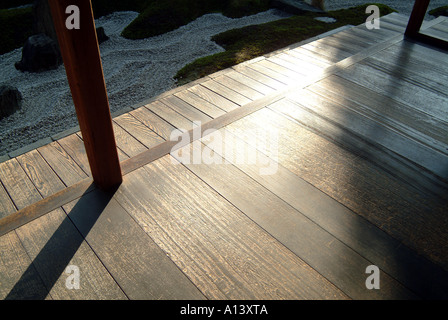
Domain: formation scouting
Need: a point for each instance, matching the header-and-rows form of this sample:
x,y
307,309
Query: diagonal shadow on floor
x,y
59,250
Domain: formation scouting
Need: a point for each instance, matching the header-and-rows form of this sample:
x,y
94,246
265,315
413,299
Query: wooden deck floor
x,y
347,139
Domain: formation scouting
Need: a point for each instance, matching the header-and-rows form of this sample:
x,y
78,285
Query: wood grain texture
x,y
261,77
239,87
141,269
413,122
6,205
410,269
18,185
203,105
154,122
53,243
169,115
224,254
126,142
14,261
315,110
253,84
40,173
62,164
396,208
74,146
138,130
213,97
333,259
398,89
227,92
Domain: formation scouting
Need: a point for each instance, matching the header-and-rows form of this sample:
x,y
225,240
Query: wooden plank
x,y
417,16
396,18
214,98
255,85
391,26
401,263
206,107
40,173
286,72
344,43
273,74
307,58
14,261
322,251
295,65
42,207
254,74
126,142
18,184
175,119
74,147
82,61
224,254
62,164
372,131
411,74
75,150
226,92
139,266
6,205
414,122
441,34
400,90
185,109
154,122
239,87
316,55
53,243
398,209
356,37
138,130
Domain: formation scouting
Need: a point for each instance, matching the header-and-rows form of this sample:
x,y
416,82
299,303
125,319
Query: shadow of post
x,y
59,250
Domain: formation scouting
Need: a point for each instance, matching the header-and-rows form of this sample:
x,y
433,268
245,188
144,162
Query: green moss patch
x,y
440,11
249,42
162,16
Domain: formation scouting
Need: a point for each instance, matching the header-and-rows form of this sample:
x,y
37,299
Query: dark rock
x,y
101,35
10,100
40,53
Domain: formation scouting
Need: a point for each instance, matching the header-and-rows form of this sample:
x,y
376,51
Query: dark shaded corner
x,y
59,250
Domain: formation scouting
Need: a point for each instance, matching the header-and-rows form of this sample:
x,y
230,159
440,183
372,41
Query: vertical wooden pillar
x,y
81,56
417,17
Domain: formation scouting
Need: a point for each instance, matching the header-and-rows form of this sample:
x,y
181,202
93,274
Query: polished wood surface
x,y
358,177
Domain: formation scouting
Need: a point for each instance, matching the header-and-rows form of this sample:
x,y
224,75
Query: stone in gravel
x,y
40,53
10,100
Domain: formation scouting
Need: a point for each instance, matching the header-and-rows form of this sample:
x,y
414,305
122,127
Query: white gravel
x,y
135,70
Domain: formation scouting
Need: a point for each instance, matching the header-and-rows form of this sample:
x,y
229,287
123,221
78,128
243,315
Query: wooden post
x,y
81,56
417,17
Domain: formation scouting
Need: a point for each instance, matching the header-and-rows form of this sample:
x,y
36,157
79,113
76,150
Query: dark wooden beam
x,y
81,56
417,17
